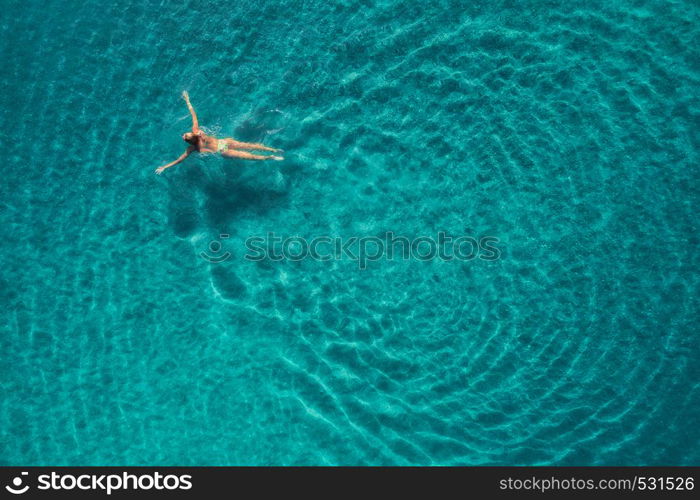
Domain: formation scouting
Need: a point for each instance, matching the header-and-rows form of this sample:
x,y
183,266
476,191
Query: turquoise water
x,y
567,131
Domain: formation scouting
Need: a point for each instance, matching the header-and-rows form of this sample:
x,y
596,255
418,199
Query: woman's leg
x,y
232,153
249,145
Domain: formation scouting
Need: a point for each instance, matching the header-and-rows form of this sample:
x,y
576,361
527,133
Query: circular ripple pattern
x,y
569,133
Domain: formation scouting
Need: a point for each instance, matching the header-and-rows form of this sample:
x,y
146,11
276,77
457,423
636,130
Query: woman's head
x,y
191,137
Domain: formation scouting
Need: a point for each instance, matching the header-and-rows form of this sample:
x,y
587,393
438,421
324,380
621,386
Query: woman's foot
x,y
273,157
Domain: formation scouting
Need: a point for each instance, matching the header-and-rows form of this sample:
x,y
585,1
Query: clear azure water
x,y
568,130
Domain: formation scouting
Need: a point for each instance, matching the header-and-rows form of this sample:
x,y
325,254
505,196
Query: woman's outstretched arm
x,y
195,123
182,157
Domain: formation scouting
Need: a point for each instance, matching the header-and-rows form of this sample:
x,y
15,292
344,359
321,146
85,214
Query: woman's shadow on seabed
x,y
217,190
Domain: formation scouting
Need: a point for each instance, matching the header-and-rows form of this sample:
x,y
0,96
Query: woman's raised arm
x,y
195,123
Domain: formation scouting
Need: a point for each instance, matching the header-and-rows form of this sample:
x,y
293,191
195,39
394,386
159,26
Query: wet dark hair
x,y
193,138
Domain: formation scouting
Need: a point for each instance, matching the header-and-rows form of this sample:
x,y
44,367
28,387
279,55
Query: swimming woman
x,y
203,143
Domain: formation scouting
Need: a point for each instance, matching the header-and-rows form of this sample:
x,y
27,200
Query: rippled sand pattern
x,y
567,130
